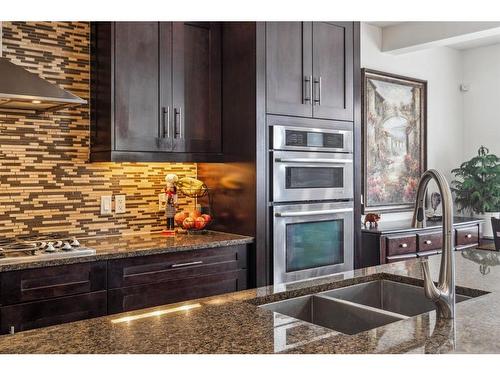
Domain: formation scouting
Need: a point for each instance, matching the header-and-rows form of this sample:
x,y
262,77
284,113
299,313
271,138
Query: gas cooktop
x,y
41,248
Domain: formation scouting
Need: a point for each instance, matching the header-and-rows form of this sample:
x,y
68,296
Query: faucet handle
x,y
431,291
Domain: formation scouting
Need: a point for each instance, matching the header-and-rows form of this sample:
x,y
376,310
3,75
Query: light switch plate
x,y
106,208
120,205
162,201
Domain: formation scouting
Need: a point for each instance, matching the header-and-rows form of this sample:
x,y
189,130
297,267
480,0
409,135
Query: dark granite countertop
x,y
232,323
405,225
126,246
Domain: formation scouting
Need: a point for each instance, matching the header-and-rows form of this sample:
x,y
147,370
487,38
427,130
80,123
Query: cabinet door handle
x,y
178,265
307,94
318,82
178,113
403,245
428,242
165,120
468,235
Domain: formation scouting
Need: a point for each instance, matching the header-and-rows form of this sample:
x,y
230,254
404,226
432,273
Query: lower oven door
x,y
312,240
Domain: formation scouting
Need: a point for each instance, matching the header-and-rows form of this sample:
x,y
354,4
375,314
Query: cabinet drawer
x,y
429,241
141,296
398,245
180,265
39,314
467,236
51,282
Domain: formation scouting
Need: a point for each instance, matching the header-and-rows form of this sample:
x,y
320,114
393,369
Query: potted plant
x,y
477,187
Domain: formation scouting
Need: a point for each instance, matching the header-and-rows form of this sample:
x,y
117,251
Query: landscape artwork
x,y
394,123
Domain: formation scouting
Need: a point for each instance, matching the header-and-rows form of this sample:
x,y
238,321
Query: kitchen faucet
x,y
443,294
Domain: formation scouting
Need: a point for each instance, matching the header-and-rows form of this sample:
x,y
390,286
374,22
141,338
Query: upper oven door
x,y
305,139
308,176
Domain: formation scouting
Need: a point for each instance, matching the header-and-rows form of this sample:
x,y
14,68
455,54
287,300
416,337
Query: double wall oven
x,y
312,202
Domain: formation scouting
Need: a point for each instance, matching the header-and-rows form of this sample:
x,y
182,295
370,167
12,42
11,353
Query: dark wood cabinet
x,y
310,69
43,313
40,297
393,242
160,279
156,91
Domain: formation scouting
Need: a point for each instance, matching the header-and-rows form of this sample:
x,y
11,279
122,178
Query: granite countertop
x,y
126,246
405,225
232,323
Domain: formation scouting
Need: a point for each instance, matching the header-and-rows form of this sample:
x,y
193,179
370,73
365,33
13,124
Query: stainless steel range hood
x,y
20,89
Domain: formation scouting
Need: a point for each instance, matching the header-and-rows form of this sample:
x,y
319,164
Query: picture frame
x,y
394,140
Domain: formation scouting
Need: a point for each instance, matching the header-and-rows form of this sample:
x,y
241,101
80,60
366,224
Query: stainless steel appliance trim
x,y
279,237
312,213
178,265
313,161
282,194
279,139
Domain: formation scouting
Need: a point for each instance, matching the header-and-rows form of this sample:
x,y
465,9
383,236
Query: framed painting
x,y
394,140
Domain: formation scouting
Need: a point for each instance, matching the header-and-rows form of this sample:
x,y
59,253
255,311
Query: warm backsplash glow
x,y
46,181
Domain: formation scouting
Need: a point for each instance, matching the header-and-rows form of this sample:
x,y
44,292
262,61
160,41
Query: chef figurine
x,y
170,202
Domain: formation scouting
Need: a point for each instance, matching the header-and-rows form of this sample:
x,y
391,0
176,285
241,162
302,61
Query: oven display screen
x,y
314,244
312,139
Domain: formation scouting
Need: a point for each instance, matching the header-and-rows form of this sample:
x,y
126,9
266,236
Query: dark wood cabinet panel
x,y
197,87
467,236
388,246
182,265
175,290
44,313
332,50
51,282
137,111
289,68
156,91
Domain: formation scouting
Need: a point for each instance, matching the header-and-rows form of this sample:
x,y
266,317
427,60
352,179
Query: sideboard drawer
x,y
398,245
429,241
467,236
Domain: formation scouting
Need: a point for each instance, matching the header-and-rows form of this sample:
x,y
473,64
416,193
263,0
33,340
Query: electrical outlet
x,y
120,206
106,208
162,201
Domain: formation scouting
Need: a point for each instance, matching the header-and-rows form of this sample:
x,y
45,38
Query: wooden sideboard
x,y
397,241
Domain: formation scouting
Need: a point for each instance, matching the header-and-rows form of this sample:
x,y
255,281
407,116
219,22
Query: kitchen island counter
x,y
232,323
132,245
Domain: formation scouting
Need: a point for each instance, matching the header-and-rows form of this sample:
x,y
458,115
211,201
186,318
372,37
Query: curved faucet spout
x,y
444,293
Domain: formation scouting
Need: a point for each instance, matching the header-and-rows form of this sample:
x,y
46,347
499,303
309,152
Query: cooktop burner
x,y
37,248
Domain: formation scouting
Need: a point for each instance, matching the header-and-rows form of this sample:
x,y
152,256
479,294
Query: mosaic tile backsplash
x,y
47,183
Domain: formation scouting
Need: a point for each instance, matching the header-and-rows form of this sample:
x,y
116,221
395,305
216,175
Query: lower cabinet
x,y
147,281
380,247
41,297
45,313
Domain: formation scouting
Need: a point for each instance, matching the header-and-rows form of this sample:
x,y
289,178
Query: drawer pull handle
x,y
403,245
428,242
468,235
178,265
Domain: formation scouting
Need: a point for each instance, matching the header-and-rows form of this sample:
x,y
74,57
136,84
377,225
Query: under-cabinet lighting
x,y
155,313
36,101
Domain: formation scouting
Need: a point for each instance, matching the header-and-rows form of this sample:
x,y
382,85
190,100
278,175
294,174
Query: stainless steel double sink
x,y
360,307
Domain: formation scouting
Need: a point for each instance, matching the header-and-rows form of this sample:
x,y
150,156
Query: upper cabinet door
x,y
196,87
332,45
289,68
136,99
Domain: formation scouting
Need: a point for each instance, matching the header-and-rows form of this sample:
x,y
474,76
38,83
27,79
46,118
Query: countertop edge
x,y
126,254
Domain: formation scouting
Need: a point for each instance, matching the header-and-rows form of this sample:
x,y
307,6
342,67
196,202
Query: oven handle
x,y
312,213
313,161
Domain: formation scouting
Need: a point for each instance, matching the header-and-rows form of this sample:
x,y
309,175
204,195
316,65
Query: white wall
x,y
481,71
442,69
